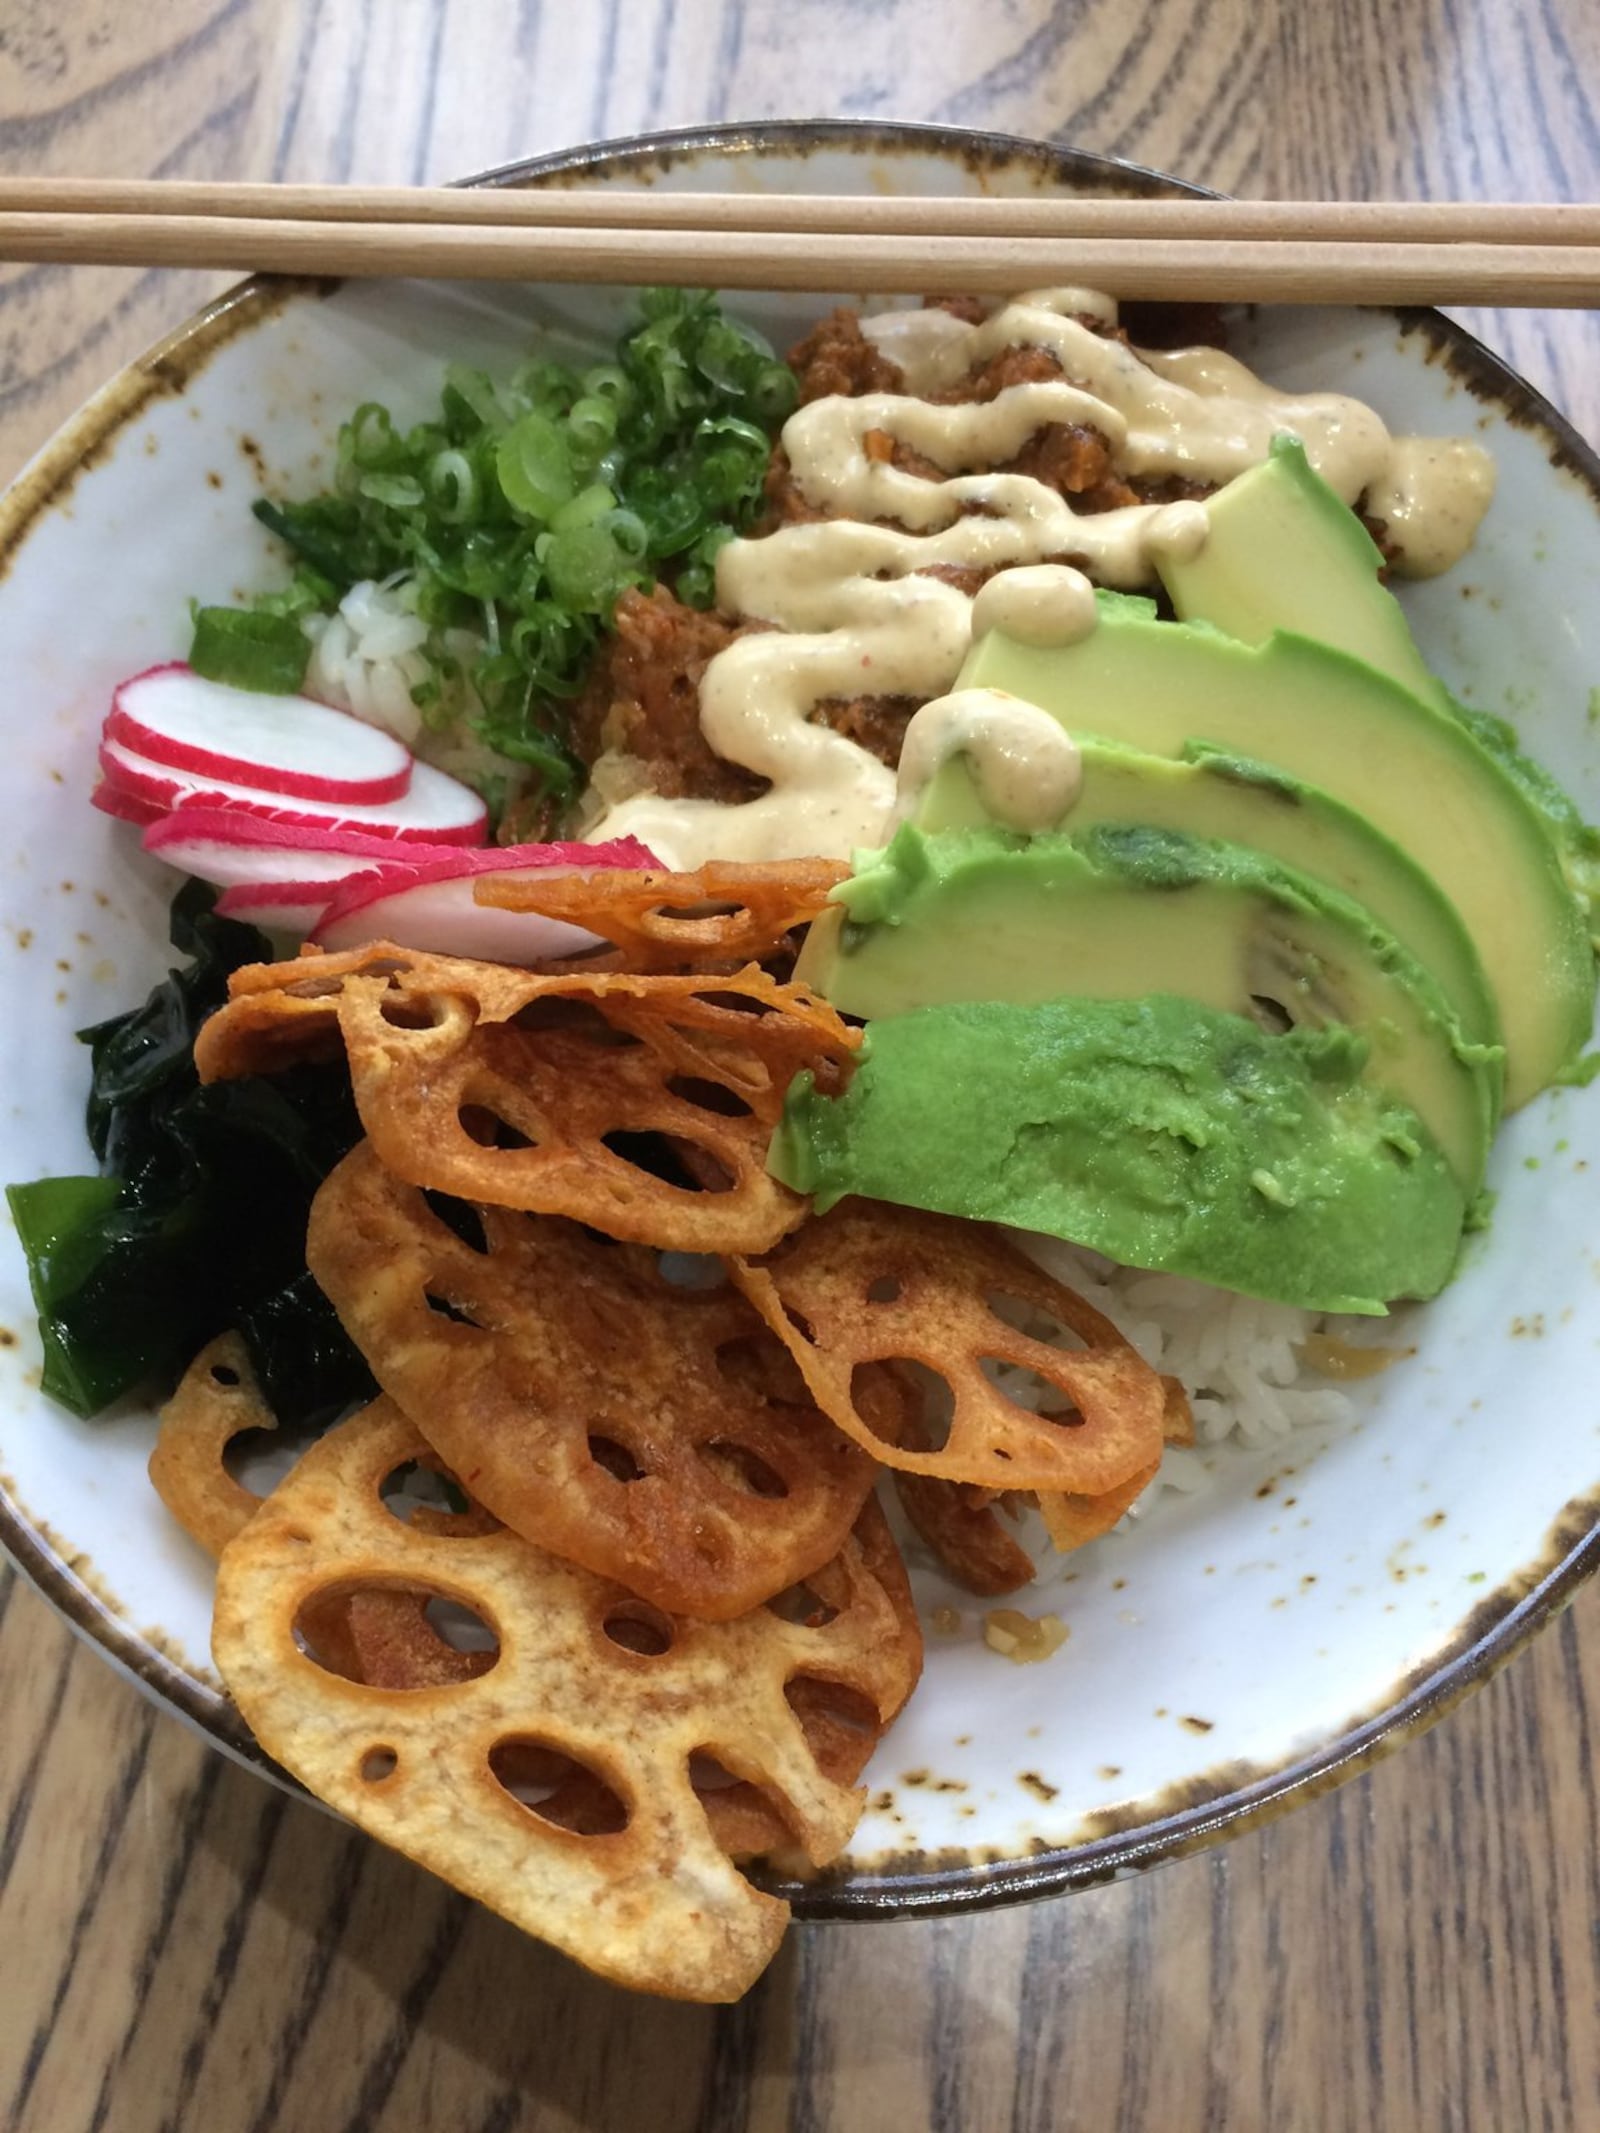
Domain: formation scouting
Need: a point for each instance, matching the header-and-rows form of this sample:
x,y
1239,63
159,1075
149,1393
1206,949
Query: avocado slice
x,y
1115,913
1418,775
1163,1134
1211,793
1283,552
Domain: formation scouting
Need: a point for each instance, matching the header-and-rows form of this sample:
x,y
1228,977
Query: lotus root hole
x,y
446,1309
222,1374
743,1469
825,1707
615,1458
377,1764
459,1626
460,1217
707,1774
692,914
412,1011
1029,1390
679,1163
485,1128
1034,1320
936,1403
257,1459
553,1786
415,1487
639,1629
800,1604
885,1290
711,1096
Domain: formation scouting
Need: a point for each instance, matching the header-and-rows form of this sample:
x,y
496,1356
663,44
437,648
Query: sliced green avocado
x,y
1214,794
1163,1134
1283,552
1115,913
1418,775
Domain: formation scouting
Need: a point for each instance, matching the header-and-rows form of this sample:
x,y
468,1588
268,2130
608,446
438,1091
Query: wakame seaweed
x,y
197,1222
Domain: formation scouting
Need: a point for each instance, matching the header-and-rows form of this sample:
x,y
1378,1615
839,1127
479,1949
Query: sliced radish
x,y
436,810
234,850
435,909
283,744
197,837
282,907
442,863
441,917
112,800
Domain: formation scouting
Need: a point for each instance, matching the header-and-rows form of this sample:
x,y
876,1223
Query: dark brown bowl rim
x,y
916,1886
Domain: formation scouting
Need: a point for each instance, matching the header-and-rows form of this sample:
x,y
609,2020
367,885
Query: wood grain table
x,y
184,1951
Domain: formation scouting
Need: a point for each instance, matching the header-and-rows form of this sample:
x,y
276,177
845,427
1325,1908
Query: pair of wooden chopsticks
x,y
1265,251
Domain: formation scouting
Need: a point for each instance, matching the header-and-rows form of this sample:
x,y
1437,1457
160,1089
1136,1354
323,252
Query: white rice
x,y
368,656
1239,1360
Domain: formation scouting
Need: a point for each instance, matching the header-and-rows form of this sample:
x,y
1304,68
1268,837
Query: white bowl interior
x,y
1250,1624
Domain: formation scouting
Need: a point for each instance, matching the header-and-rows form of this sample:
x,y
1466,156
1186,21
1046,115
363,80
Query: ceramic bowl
x,y
1236,1649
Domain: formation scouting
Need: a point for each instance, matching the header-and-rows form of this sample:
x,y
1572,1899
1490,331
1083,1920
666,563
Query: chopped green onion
x,y
453,485
401,491
589,504
630,533
535,467
248,649
521,510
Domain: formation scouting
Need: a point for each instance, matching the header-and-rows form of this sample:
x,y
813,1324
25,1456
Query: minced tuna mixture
x,y
642,699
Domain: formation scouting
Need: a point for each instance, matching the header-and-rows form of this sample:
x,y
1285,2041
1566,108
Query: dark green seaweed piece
x,y
197,1223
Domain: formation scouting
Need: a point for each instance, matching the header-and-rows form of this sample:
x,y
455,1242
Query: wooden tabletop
x,y
182,1948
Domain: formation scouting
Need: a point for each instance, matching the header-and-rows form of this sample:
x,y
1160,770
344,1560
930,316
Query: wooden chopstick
x,y
610,207
1248,251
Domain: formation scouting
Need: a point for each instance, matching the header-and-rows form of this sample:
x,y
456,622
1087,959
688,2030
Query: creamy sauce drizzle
x,y
1025,765
853,617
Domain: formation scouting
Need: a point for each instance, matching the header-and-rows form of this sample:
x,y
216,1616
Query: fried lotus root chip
x,y
724,913
874,1283
382,1637
641,1106
217,1400
1072,1520
841,1726
652,1432
583,1674
967,1533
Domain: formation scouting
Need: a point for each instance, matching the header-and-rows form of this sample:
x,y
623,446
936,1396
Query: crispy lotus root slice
x,y
967,1533
1071,1520
723,914
583,1675
217,1400
874,1283
841,1726
641,1106
382,1637
652,1432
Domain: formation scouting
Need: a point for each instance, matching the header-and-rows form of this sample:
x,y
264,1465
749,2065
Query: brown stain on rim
x,y
1183,1818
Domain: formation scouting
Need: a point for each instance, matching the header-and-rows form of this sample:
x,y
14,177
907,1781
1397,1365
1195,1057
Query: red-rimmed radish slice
x,y
436,810
435,910
112,800
282,907
233,850
282,744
